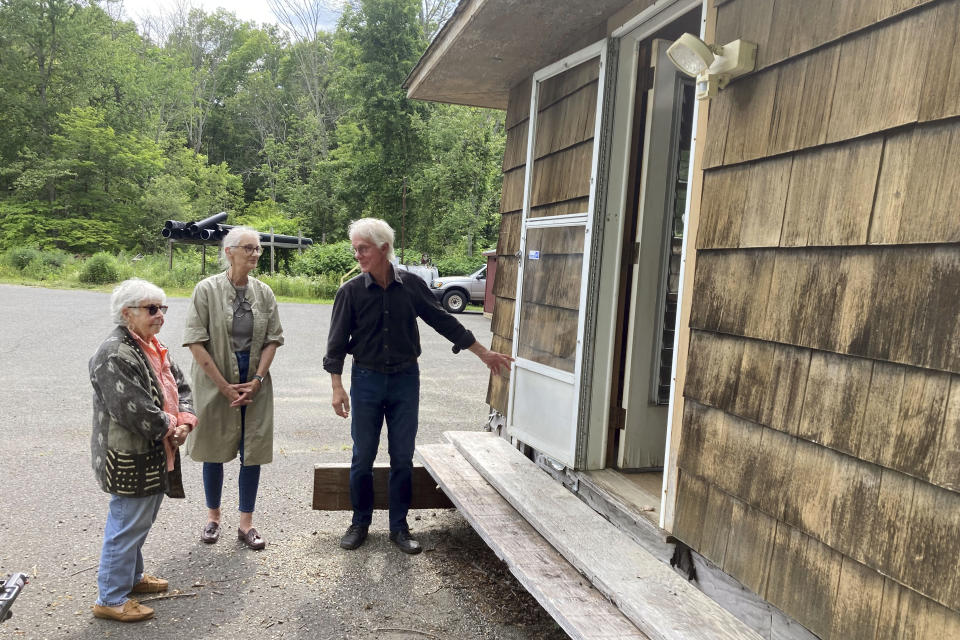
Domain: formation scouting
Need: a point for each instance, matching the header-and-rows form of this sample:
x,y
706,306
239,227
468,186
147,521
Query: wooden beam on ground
x,y
581,610
331,488
654,597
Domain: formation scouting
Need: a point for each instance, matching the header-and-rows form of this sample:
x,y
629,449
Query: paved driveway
x,y
302,585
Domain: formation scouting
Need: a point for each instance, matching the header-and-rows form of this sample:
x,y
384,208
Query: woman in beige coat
x,y
233,331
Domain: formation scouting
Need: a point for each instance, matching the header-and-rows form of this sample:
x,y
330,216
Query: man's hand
x,y
494,360
341,401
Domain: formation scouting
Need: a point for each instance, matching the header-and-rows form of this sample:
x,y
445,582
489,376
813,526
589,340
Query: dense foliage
x,y
108,129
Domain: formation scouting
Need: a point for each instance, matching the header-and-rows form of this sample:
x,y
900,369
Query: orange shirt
x,y
157,356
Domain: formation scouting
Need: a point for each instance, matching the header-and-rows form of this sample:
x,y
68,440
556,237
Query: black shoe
x,y
403,540
354,536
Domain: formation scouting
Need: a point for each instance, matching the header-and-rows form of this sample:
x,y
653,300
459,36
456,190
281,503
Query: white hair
x,y
133,293
232,239
375,230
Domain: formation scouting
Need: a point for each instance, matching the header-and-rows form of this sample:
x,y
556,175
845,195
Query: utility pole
x,y
403,218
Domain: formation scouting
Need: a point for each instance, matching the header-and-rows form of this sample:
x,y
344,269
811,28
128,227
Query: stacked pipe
x,y
209,230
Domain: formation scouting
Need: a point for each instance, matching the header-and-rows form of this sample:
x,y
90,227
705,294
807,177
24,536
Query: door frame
x,y
608,249
563,449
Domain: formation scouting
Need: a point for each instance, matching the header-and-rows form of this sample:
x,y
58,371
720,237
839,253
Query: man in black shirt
x,y
375,320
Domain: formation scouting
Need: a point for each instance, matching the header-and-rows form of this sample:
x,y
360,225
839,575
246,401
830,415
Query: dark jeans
x,y
376,396
249,479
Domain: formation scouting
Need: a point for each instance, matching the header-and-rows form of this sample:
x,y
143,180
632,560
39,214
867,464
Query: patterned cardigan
x,y
129,422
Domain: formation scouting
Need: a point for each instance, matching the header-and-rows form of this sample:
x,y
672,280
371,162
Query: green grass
x,y
56,271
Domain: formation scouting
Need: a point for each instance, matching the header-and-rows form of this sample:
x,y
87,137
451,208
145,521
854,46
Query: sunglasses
x,y
153,308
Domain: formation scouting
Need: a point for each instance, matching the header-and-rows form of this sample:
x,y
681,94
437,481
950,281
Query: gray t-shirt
x,y
242,320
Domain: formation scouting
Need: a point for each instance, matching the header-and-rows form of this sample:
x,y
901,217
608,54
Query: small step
x,y
654,597
331,488
578,608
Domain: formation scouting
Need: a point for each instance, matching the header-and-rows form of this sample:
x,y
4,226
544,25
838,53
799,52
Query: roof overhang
x,y
489,46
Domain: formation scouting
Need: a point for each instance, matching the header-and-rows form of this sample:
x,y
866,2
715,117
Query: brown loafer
x,y
131,611
150,584
252,539
210,533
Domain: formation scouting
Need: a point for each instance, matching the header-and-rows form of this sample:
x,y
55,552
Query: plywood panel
x,y
910,310
917,191
831,195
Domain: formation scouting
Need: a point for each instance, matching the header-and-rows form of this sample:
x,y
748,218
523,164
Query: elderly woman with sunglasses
x,y
233,331
141,413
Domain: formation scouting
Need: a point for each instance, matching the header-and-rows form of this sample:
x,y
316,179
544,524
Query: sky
x,y
251,10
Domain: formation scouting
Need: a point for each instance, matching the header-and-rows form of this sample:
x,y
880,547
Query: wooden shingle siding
x,y
785,28
511,198
881,78
515,153
825,196
852,507
898,304
836,596
902,418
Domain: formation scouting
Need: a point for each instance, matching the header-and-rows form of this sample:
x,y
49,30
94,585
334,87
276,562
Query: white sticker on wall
x,y
534,255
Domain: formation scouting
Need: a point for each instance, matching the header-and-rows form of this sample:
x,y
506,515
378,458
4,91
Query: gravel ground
x,y
303,585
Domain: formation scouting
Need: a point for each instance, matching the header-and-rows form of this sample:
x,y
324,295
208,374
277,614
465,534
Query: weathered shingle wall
x,y
820,455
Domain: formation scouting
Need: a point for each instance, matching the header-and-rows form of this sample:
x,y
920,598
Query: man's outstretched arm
x,y
494,360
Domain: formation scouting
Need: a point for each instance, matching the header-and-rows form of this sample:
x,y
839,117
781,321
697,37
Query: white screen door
x,y
558,204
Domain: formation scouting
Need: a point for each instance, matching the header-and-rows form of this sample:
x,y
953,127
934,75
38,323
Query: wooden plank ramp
x,y
578,608
654,597
331,488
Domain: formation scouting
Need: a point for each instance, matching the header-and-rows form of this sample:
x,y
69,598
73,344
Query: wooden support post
x,y
169,255
331,488
299,240
272,249
203,259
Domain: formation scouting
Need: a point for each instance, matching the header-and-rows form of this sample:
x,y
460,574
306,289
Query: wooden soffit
x,y
489,46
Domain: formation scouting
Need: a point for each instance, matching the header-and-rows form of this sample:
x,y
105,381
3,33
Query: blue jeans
x,y
121,563
249,480
374,397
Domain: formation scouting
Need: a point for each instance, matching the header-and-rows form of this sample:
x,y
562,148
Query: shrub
x,y
459,265
100,268
318,288
331,260
55,258
20,257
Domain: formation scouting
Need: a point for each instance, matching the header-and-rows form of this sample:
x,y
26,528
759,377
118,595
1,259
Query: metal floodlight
x,y
692,55
713,66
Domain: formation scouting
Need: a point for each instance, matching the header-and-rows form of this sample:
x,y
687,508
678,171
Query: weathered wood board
x,y
331,488
580,609
655,598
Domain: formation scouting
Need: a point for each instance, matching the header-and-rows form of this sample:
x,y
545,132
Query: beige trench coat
x,y
210,321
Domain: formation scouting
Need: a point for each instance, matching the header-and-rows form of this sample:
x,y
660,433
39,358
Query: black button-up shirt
x,y
379,326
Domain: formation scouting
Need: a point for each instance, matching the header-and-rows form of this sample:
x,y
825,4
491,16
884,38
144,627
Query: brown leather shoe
x,y
210,533
131,611
252,539
150,584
